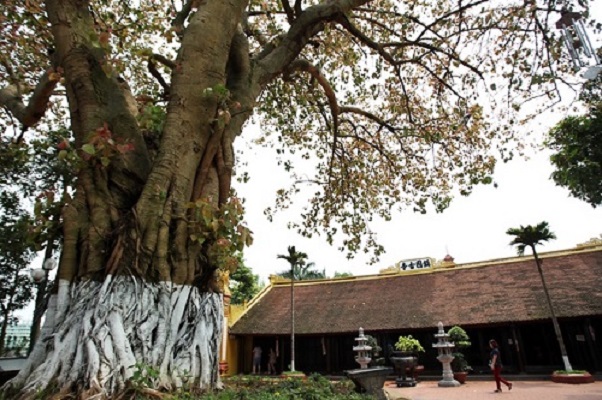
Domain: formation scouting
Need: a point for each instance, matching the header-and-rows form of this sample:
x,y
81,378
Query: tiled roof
x,y
500,292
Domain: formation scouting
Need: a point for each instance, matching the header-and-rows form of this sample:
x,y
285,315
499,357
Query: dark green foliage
x,y
16,252
376,356
577,143
304,272
316,387
530,236
301,269
295,258
462,341
245,284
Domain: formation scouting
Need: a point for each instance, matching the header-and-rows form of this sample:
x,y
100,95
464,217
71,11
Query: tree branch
x,y
306,66
164,60
369,115
290,14
298,9
178,22
157,75
276,58
31,113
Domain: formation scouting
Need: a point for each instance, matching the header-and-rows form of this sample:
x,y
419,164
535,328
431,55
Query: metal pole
x,y
293,318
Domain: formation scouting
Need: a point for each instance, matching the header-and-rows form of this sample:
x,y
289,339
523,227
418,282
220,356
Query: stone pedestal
x,y
370,380
404,365
367,380
448,375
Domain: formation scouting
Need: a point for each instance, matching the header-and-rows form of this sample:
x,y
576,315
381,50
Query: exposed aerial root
x,y
98,334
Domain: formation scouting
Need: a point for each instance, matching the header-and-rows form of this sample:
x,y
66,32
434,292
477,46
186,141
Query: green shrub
x,y
376,351
460,338
315,387
409,344
575,371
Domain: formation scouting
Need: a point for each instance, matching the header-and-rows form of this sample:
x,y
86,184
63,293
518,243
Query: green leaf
x,y
89,149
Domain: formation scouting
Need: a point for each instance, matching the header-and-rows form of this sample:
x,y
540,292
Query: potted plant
x,y
408,344
376,350
459,365
404,358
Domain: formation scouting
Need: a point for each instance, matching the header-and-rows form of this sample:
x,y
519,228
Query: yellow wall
x,y
232,356
233,344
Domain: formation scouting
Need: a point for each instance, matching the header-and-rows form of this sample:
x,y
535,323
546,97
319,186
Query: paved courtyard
x,y
478,390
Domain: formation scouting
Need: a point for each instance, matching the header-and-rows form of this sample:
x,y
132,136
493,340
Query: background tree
x,y
16,253
461,341
303,272
245,284
392,103
531,236
296,259
39,175
577,145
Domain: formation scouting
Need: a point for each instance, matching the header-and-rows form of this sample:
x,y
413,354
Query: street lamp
x,y
40,278
41,274
577,43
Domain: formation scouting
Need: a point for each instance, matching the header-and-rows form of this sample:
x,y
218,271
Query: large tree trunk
x,y
135,287
3,329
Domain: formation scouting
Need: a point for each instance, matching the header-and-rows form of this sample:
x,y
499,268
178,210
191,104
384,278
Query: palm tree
x,y
296,259
530,236
303,272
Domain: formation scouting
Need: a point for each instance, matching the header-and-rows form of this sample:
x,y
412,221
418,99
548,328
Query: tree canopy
x,y
294,257
303,272
245,284
577,145
530,236
394,103
16,252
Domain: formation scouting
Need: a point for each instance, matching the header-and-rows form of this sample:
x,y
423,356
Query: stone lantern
x,y
363,350
40,274
369,380
444,347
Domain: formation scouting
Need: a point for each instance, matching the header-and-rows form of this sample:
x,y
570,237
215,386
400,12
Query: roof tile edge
x,y
579,249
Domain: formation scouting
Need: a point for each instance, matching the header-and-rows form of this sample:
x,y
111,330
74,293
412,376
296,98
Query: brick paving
x,y
484,390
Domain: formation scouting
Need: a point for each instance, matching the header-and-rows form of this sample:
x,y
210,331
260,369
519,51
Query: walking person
x,y
256,360
495,363
272,362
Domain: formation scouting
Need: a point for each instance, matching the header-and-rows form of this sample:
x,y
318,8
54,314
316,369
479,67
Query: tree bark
x,y
135,287
134,290
41,300
3,331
